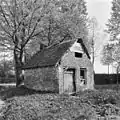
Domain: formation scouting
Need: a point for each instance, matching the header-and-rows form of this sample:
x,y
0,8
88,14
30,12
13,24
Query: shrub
x,y
87,104
104,101
47,107
99,97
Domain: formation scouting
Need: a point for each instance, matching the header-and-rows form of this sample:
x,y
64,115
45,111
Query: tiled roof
x,y
51,55
84,47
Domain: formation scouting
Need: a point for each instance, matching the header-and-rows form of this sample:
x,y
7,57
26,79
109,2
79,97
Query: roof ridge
x,y
59,43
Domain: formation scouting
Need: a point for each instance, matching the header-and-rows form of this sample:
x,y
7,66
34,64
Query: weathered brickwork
x,y
44,79
70,61
52,78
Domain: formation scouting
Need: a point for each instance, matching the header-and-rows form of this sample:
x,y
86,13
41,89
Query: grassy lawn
x,y
26,104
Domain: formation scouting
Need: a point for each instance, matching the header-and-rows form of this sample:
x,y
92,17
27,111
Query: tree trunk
x,y
117,78
93,56
18,73
108,70
18,70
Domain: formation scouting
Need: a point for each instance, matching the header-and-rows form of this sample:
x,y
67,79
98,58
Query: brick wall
x,y
70,61
44,79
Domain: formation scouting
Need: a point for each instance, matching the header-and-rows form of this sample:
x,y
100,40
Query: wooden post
x,y
108,71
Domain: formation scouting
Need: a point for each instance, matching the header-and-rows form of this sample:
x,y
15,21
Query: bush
x,y
47,107
105,102
83,105
99,97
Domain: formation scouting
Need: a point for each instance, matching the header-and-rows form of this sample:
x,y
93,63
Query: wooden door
x,y
69,81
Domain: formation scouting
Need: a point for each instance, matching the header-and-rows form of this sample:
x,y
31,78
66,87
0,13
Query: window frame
x,y
84,80
77,56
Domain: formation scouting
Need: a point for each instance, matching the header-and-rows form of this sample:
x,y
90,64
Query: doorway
x,y
69,80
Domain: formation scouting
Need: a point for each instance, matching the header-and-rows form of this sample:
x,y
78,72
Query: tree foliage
x,y
107,58
113,25
67,20
93,34
113,28
19,21
27,22
111,56
96,37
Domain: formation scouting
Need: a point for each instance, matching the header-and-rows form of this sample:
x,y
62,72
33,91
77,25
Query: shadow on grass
x,y
19,91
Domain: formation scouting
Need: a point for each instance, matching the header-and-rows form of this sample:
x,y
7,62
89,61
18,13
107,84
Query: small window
x,y
83,73
78,55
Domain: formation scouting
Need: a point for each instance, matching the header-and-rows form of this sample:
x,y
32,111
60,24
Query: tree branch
x,y
8,7
6,31
28,38
2,11
14,14
67,35
49,32
4,45
31,19
33,30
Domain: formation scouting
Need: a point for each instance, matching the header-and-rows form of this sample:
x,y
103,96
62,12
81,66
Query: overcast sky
x,y
101,10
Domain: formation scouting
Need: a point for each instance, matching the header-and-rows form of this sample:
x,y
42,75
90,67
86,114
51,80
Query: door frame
x,y
70,69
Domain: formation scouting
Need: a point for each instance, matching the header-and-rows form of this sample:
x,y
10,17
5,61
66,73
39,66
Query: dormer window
x,y
78,55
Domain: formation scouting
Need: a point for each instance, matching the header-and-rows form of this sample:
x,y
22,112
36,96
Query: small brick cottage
x,y
61,68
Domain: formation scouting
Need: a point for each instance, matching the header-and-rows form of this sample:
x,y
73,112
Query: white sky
x,y
101,10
